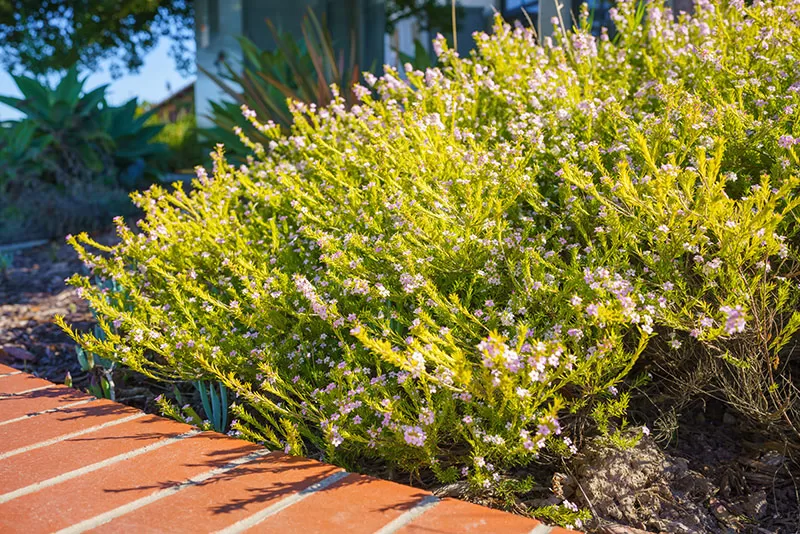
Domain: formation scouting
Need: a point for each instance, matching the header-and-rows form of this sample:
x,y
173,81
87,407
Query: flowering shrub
x,y
465,268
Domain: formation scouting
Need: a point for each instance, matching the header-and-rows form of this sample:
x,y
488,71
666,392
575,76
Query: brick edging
x,y
72,463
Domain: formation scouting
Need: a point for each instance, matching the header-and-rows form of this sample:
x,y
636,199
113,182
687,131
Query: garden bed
x,y
713,477
514,278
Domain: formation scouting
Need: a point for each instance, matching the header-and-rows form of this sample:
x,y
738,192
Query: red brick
x,y
51,425
86,496
354,504
452,516
37,401
41,464
5,369
221,501
21,382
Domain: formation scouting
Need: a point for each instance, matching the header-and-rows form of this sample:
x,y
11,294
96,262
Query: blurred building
x,y
175,105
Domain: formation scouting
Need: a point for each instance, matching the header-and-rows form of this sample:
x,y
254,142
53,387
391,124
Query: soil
x,y
32,292
713,479
711,475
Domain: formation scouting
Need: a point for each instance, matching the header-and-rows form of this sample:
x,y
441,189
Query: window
x,y
208,21
513,9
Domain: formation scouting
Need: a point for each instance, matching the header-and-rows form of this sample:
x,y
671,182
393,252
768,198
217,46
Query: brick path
x,y
71,463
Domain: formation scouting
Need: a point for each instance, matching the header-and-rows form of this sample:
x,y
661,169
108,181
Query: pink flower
x,y
426,417
438,44
410,283
575,332
336,438
248,113
360,91
417,364
414,435
734,319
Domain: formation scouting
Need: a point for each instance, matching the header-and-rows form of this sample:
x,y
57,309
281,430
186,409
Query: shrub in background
x,y
472,268
71,160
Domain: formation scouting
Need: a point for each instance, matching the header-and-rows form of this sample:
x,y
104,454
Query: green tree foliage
x,y
45,36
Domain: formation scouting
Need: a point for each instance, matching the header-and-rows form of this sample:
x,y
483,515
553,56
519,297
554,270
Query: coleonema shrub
x,y
461,273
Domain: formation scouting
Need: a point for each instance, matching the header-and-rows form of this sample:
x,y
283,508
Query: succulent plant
x,y
215,403
100,370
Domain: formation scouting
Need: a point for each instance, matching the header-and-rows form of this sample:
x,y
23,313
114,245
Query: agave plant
x,y
19,152
76,135
302,71
215,404
100,371
67,125
136,152
214,401
6,262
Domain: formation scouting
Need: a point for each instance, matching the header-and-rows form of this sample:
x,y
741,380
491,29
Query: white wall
x,y
209,46
406,31
231,24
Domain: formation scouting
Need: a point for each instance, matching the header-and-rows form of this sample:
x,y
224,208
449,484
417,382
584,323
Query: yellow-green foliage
x,y
473,257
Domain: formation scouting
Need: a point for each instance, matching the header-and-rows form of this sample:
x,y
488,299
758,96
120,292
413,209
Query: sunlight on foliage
x,y
468,269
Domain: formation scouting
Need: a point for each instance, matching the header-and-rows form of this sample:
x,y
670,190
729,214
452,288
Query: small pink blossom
x,y
734,319
414,435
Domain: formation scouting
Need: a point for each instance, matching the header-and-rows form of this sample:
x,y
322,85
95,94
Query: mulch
x,y
33,291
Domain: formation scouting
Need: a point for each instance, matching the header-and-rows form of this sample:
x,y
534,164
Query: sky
x,y
150,84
